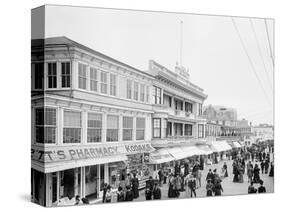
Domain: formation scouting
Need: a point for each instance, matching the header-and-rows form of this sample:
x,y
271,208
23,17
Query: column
x,y
82,182
58,64
74,74
104,123
106,173
84,127
98,181
173,129
120,127
182,129
59,126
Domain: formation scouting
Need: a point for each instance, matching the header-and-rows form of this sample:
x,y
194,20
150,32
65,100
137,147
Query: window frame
x,y
103,82
118,127
131,129
94,128
113,84
64,75
53,75
82,77
72,127
36,73
158,128
202,131
140,129
129,89
136,91
93,81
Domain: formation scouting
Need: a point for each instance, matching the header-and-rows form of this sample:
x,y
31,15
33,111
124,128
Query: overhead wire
x,y
250,60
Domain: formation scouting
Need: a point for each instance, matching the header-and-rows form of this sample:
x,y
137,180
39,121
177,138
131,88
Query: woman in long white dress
x,y
187,189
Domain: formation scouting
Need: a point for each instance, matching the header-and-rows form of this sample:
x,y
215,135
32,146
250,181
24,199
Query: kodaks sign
x,y
68,153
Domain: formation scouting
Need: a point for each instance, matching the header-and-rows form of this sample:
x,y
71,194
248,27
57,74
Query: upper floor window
x,y
136,91
113,84
94,127
188,129
71,127
127,128
142,93
39,75
140,128
178,105
82,72
129,89
200,131
65,75
45,125
147,93
188,107
52,75
103,82
157,95
112,128
156,126
93,79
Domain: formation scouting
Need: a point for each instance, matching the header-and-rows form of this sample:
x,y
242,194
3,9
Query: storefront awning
x,y
53,167
205,149
161,156
220,146
236,145
185,151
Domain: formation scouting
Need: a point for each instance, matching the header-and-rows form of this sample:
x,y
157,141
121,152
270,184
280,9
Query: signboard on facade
x,y
80,152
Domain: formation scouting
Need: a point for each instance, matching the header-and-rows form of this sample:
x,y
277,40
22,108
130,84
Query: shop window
x,y
52,75
72,127
101,177
39,76
188,129
39,183
91,181
112,84
65,75
94,127
93,79
142,93
140,128
156,123
112,128
136,91
45,125
69,180
103,82
127,128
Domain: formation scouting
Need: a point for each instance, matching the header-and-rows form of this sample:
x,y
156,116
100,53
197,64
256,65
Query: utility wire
x,y
250,61
269,44
261,56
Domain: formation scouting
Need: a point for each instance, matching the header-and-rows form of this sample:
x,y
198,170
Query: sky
x,y
211,49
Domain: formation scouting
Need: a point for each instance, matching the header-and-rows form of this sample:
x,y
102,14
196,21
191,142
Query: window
x,y
112,84
157,95
169,129
200,130
188,107
142,93
65,75
178,105
147,93
188,129
140,128
129,89
39,75
156,123
103,82
82,72
112,128
72,127
136,91
127,128
52,75
45,125
94,127
93,79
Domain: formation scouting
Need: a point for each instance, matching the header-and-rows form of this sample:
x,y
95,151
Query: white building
x,y
91,116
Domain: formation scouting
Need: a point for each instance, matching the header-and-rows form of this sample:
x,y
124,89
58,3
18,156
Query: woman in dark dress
x,y
236,173
135,186
225,169
271,172
218,189
256,174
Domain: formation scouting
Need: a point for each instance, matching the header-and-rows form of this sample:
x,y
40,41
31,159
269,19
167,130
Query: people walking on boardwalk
x,y
217,188
261,189
156,192
271,172
256,178
235,172
241,173
209,188
178,181
262,166
149,188
225,170
120,194
129,195
177,169
187,189
192,185
210,176
160,176
252,189
250,171
266,166
135,186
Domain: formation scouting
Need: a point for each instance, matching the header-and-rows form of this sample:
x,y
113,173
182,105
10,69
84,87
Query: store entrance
x,y
91,182
39,187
